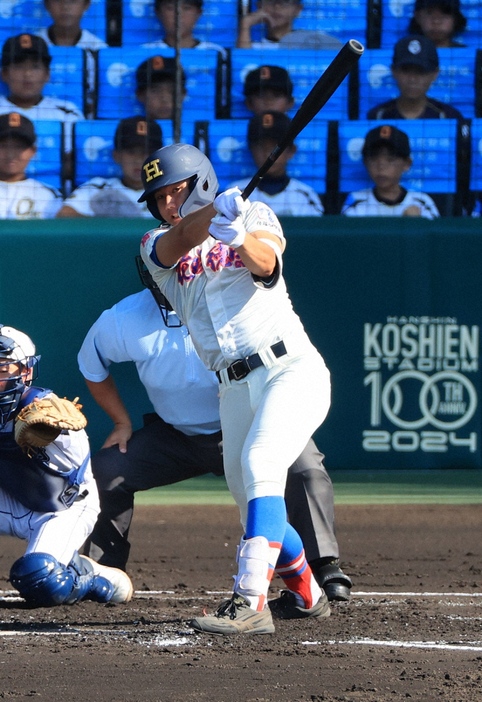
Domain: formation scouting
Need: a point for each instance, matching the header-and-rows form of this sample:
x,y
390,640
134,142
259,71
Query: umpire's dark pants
x,y
160,455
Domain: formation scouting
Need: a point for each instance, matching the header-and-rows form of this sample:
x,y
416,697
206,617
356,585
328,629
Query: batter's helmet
x,y
15,347
175,163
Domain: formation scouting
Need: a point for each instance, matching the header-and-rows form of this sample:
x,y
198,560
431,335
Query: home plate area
x,y
411,630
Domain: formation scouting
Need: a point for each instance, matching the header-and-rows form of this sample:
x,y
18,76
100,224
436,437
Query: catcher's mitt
x,y
40,422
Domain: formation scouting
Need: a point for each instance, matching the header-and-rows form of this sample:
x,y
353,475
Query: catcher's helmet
x,y
15,347
175,163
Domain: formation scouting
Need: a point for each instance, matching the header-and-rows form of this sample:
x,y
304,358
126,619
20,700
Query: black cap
x,y
274,77
268,125
416,50
24,46
449,6
387,135
134,132
155,70
14,124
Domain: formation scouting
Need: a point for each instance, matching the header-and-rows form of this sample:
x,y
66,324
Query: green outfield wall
x,y
395,306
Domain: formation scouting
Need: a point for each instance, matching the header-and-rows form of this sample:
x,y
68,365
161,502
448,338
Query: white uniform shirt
x,y
300,39
229,313
161,44
28,199
107,197
87,40
297,199
363,203
182,391
48,108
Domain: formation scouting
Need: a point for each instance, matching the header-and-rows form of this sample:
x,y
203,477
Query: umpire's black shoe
x,y
332,579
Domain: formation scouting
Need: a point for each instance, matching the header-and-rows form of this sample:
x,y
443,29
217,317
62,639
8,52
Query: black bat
x,y
318,96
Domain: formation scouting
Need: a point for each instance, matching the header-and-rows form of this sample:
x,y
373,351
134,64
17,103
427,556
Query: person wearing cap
x,y
285,195
439,20
268,88
48,495
386,155
22,197
156,84
65,29
277,17
26,71
415,66
134,139
190,12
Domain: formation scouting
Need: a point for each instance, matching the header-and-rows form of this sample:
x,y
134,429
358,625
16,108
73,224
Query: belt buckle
x,y
243,370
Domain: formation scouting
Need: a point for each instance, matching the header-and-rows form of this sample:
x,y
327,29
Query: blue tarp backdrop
x,y
395,307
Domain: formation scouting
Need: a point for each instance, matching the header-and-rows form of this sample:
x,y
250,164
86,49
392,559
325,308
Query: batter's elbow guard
x,y
41,580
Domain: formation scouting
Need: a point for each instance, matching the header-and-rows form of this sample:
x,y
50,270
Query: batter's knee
x,y
41,580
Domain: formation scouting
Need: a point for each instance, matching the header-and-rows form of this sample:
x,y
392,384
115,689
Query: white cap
x,y
15,345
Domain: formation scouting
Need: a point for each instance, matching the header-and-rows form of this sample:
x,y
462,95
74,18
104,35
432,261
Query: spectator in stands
x,y
386,155
156,87
268,88
65,29
26,71
439,20
285,195
190,12
134,139
277,16
415,66
22,197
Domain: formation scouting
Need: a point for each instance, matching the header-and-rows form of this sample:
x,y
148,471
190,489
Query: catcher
x,y
48,496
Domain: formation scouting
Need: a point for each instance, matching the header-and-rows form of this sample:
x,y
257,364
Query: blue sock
x,y
267,517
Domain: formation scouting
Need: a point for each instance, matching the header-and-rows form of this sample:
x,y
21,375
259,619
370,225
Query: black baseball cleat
x,y
286,607
332,579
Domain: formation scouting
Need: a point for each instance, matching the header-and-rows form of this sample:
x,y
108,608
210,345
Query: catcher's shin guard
x,y
44,582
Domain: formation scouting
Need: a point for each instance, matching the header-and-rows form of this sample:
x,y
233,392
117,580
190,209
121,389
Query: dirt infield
x,y
412,630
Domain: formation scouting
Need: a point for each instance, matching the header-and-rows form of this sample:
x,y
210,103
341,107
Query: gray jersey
x,y
28,199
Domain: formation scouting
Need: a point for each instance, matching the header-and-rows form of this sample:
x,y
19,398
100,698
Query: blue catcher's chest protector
x,y
32,479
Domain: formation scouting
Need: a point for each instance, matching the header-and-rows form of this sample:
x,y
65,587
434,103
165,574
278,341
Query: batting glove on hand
x,y
231,233
231,204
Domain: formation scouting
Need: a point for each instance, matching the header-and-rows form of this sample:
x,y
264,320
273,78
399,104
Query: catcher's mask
x,y
170,320
15,347
173,164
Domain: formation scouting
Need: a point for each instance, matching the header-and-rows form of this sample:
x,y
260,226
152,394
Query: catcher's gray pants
x,y
160,455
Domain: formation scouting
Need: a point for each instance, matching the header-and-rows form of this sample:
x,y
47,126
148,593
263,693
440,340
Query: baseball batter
x,y
48,496
181,438
219,264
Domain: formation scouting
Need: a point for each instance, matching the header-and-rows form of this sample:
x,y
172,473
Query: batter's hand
x,y
231,204
231,233
119,436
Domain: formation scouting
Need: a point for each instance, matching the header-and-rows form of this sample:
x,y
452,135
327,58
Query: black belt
x,y
240,369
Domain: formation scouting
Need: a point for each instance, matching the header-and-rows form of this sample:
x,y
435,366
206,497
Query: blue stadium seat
x,y
93,145
434,152
396,15
345,19
455,84
476,160
304,67
46,165
224,141
117,82
218,23
21,16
